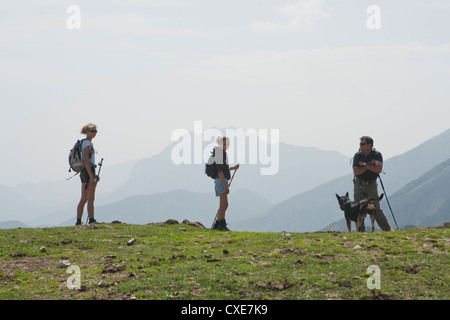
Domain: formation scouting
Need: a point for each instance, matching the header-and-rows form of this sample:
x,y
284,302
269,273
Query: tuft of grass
x,y
183,262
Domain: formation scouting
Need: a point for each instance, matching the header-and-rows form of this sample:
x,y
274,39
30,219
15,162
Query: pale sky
x,y
312,69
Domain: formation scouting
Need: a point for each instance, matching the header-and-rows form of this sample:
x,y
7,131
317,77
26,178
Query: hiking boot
x,y
216,225
222,225
78,222
92,220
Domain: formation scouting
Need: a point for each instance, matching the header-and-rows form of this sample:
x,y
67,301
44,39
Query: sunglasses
x,y
363,143
93,131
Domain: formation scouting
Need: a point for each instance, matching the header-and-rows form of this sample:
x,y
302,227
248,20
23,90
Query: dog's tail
x,y
376,200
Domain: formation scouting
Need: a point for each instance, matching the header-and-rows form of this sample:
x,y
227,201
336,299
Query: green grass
x,y
183,262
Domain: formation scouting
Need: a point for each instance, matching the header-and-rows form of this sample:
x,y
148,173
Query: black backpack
x,y
210,168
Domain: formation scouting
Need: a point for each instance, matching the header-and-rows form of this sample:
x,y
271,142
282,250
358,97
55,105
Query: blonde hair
x,y
88,127
220,140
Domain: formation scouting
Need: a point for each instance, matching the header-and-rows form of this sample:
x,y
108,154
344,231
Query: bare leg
x,y
82,202
223,206
90,199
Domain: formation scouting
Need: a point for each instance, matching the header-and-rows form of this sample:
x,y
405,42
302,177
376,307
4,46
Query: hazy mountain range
x,y
297,173
299,198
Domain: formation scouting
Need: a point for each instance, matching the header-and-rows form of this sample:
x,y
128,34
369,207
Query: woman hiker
x,y
88,178
221,180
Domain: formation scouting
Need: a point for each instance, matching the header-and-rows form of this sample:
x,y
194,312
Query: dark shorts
x,y
84,175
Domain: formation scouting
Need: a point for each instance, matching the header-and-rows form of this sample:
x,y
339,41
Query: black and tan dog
x,y
357,211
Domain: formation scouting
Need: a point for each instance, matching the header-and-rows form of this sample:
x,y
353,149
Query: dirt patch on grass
x,y
26,263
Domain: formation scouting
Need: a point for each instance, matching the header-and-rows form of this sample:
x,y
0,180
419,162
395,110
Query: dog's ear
x,y
346,195
337,196
381,197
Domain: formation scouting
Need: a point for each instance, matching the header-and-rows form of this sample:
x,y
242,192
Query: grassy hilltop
x,y
180,261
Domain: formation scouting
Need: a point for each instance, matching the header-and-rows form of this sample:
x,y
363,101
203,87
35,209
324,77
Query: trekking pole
x,y
100,164
215,219
229,184
382,186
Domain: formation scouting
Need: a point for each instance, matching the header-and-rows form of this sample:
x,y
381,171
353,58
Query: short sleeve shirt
x,y
359,156
221,159
88,143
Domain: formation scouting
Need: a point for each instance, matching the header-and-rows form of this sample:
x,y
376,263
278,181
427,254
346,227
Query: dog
x,y
357,211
